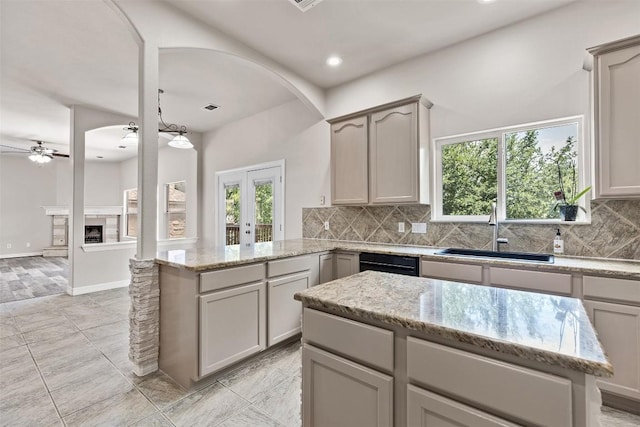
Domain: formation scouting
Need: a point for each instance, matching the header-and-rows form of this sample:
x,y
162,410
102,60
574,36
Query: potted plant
x,y
568,201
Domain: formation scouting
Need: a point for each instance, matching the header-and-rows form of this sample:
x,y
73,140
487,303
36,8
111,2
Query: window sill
x,y
513,221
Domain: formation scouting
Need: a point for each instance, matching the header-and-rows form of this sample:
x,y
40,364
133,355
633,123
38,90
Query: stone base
x,y
61,251
145,368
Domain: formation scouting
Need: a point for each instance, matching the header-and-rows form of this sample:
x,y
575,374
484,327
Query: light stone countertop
x,y
550,329
202,259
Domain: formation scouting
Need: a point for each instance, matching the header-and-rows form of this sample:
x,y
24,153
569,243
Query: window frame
x,y
167,212
125,222
582,162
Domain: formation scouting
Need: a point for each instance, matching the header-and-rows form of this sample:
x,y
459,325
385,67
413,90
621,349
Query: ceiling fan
x,y
37,153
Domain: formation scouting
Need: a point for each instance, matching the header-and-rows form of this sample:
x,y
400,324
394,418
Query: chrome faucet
x,y
493,221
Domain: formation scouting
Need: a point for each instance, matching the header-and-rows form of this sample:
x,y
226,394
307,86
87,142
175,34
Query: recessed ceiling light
x,y
334,61
486,1
122,146
99,157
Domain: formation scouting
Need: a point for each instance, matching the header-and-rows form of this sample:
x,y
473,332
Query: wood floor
x,y
30,277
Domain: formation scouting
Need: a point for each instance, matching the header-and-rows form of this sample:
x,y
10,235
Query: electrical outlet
x,y
8,245
419,227
326,225
401,227
28,244
321,200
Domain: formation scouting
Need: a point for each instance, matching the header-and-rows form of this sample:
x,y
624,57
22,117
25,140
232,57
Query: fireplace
x,y
93,234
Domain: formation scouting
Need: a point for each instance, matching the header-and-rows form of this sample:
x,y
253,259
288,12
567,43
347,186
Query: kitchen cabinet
x,y
616,108
469,273
380,155
338,392
326,267
617,321
539,281
349,162
427,409
286,277
232,326
346,264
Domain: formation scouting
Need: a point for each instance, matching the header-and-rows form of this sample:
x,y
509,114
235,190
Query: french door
x,y
251,205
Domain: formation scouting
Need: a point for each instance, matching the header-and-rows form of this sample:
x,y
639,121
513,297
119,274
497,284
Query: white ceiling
x,y
55,53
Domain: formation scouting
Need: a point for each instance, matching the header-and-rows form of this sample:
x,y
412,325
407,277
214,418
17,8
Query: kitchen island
x,y
382,349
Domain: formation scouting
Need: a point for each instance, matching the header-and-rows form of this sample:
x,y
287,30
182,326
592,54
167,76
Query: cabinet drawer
x,y
611,289
426,409
231,277
531,280
451,271
507,388
289,265
363,343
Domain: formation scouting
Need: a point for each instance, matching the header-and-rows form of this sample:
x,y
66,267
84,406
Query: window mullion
x,y
501,166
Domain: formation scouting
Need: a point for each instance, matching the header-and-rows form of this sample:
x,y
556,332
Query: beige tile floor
x,y
64,362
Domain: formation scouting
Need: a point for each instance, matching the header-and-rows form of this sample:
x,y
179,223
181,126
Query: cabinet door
x,y
426,409
346,264
618,328
326,268
393,155
284,312
617,124
337,392
349,162
232,326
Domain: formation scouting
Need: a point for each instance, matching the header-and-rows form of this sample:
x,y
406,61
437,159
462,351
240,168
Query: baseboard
x,y
622,403
26,254
97,288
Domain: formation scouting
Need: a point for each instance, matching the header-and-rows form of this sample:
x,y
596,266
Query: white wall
x,y
24,188
526,72
102,184
290,132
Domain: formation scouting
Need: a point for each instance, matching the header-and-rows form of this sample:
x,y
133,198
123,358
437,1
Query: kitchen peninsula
x,y
382,349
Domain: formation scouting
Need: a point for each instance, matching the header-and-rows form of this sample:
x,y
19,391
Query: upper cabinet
x,y
380,155
616,112
349,162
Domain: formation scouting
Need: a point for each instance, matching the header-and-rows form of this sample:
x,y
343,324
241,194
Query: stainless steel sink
x,y
516,256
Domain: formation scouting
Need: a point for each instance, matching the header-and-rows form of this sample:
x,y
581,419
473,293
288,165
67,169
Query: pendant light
x,y
179,140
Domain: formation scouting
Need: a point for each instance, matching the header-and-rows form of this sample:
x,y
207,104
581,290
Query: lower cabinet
x,y
618,328
284,311
426,409
326,267
346,264
233,325
338,392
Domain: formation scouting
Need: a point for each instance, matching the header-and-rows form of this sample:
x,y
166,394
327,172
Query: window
x,y
518,168
131,212
176,209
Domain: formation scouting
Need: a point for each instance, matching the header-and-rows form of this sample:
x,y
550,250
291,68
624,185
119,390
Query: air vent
x,y
305,5
211,107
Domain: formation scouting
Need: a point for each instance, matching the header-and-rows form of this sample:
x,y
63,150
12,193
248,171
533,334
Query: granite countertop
x,y
550,329
203,259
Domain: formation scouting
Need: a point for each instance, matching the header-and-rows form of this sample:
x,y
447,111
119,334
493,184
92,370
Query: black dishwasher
x,y
397,264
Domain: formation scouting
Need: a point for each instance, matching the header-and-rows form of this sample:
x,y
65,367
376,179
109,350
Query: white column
x,y
144,314
76,213
148,151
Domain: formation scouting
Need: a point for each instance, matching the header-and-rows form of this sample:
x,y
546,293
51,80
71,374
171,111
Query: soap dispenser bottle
x,y
558,244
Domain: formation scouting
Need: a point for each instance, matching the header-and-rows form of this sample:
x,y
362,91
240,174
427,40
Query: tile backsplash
x,y
614,231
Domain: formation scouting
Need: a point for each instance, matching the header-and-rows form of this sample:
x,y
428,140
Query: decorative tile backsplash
x,y
614,231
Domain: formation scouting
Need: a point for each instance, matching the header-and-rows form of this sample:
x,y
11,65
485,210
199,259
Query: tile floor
x,y
63,361
29,277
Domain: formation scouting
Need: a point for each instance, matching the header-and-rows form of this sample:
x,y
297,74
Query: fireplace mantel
x,y
88,210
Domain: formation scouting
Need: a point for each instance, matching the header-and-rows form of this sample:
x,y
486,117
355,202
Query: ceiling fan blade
x,y
56,154
14,149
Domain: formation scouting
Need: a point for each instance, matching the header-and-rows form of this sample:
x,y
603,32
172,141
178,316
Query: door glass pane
x,y
132,212
264,211
232,214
